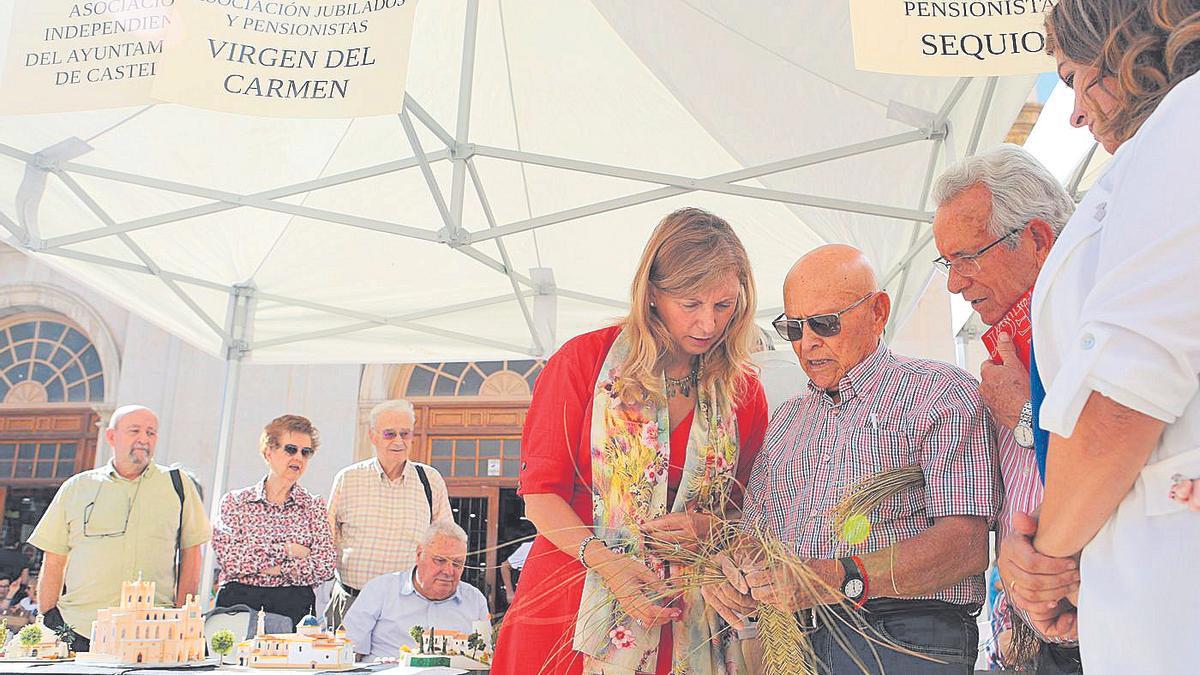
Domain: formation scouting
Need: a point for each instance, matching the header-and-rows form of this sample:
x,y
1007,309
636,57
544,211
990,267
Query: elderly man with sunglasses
x,y
910,570
378,508
998,215
106,526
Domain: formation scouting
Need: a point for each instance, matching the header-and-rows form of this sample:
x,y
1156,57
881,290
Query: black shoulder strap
x,y
177,482
428,490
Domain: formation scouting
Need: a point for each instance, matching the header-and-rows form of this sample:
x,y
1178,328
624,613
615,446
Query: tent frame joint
x,y
454,238
462,151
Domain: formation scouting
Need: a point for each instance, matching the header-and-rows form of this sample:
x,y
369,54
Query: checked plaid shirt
x,y
893,412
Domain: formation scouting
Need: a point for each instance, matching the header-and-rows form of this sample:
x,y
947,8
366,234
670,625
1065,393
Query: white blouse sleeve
x,y
1138,337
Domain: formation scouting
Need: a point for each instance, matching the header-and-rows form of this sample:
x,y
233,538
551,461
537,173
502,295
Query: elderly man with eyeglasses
x,y
378,508
109,525
429,595
912,568
998,215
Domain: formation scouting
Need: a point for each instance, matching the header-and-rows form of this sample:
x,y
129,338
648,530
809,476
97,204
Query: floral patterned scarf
x,y
630,449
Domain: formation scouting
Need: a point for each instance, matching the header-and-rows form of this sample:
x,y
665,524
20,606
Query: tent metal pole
x,y
916,233
504,258
141,254
1080,172
415,142
700,184
729,177
466,83
436,129
989,91
18,232
225,201
342,330
237,321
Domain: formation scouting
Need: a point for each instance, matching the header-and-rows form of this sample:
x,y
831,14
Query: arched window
x,y
44,360
509,379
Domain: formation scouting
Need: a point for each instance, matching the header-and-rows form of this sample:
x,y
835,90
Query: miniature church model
x,y
138,632
308,648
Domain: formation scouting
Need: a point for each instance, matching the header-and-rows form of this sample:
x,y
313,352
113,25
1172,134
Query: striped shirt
x,y
893,412
377,522
1022,494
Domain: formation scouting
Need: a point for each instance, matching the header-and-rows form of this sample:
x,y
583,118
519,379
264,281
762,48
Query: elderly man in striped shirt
x,y
998,215
912,574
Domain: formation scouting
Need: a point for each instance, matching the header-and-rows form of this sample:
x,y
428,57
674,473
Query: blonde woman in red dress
x,y
642,431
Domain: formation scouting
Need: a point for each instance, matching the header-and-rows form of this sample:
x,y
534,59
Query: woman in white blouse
x,y
1116,314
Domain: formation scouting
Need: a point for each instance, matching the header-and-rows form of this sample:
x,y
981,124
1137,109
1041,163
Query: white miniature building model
x,y
309,648
50,648
138,632
456,645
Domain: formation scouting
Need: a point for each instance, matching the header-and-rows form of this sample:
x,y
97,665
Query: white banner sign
x,y
951,37
74,55
294,58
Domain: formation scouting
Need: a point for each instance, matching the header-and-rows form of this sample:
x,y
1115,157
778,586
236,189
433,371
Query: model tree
x,y
222,643
30,635
418,634
66,633
474,642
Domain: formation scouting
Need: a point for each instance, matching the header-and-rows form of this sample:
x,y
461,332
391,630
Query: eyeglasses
x,y
293,449
441,561
825,325
392,434
968,265
91,507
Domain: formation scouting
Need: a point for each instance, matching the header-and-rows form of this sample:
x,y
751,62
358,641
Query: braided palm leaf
x,y
786,649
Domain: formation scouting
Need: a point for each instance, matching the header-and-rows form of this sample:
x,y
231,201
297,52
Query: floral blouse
x,y
252,533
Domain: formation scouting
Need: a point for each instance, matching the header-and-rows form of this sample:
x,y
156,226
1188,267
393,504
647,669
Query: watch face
x,y
853,588
1023,435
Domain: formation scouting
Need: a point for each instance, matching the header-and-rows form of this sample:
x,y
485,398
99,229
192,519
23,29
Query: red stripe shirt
x,y
892,412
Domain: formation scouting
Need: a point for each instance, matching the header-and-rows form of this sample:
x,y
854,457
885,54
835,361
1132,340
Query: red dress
x,y
535,638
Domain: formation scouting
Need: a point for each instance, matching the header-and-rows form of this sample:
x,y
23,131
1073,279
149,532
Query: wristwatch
x,y
1023,432
854,583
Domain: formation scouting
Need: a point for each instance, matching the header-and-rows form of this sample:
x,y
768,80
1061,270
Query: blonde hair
x,y
285,423
1146,46
688,251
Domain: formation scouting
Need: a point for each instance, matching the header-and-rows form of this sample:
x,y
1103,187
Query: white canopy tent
x,y
504,208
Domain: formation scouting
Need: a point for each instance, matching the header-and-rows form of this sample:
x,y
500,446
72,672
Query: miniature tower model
x,y
138,632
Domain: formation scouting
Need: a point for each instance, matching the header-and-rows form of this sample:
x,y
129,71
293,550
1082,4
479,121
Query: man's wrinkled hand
x,y
1005,387
781,586
730,597
1034,582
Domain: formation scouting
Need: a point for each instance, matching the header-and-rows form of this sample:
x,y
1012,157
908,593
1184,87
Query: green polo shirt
x,y
97,564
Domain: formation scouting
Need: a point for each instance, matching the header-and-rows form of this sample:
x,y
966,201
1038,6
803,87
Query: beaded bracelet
x,y
583,547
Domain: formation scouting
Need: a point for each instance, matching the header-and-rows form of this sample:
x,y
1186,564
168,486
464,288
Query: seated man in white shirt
x,y
429,595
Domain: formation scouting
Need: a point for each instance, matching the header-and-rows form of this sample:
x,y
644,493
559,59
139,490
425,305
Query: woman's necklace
x,y
682,386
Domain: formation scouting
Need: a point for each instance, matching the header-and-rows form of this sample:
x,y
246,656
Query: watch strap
x,y
855,569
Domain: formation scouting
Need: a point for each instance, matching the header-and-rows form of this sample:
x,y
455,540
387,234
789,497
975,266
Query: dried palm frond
x,y
866,495
1023,648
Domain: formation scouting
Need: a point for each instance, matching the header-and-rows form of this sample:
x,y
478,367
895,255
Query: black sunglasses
x,y
293,449
825,325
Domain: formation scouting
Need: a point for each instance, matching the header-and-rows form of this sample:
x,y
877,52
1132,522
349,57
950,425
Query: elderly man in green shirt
x,y
109,525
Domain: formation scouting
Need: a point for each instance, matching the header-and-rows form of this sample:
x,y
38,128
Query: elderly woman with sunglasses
x,y
272,539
